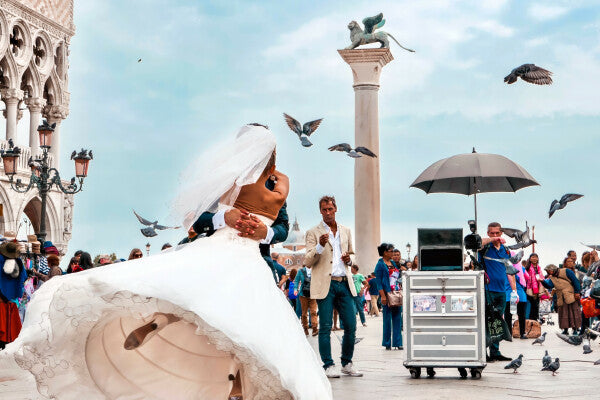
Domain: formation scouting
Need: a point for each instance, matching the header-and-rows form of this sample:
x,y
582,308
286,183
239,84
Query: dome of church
x,y
295,236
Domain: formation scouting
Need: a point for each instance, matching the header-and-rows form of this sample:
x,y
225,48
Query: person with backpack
x,y
308,305
292,295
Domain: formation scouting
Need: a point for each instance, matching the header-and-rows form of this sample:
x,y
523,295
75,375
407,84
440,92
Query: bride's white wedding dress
x,y
232,316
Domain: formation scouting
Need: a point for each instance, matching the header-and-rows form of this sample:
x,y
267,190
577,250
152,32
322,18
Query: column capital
x,y
35,104
55,113
11,95
366,65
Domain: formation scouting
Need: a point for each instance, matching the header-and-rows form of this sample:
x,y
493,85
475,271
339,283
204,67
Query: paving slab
x,y
385,377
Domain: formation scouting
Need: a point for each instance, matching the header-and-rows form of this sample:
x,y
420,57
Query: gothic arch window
x,y
288,261
40,52
18,42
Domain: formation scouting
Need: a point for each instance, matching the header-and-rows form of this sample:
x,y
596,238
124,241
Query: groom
x,y
249,225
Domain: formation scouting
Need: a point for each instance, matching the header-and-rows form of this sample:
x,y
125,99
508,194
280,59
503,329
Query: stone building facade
x,y
34,51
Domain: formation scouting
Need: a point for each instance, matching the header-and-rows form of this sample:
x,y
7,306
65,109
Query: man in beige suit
x,y
328,249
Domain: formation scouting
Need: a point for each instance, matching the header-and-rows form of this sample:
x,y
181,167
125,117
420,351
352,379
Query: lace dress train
x,y
231,319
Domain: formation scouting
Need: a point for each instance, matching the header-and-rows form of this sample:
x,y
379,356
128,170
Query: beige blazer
x,y
322,264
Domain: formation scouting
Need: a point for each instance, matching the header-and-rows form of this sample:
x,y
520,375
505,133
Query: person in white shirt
x,y
328,250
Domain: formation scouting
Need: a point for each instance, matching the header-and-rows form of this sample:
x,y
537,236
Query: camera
x,y
472,225
473,242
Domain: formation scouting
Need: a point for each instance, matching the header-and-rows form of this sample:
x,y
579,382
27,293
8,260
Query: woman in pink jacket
x,y
533,276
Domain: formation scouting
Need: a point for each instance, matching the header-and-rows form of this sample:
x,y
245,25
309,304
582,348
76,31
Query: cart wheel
x,y
430,372
463,373
475,373
415,373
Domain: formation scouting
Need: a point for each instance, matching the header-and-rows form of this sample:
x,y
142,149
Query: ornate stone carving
x,y
54,29
35,104
55,113
11,95
68,214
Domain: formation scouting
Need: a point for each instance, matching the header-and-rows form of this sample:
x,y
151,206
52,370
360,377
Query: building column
x,y
11,98
55,114
366,65
35,106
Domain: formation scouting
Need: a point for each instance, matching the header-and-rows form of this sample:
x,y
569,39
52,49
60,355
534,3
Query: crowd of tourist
x,y
539,290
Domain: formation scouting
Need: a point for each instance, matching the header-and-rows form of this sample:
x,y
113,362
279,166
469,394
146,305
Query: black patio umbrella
x,y
473,173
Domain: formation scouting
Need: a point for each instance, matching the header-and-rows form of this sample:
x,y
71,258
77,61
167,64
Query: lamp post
x,y
43,177
408,251
148,249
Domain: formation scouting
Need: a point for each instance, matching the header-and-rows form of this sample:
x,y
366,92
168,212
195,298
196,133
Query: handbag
x,y
394,298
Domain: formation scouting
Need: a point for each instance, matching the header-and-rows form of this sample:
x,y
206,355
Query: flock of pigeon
x,y
304,131
553,366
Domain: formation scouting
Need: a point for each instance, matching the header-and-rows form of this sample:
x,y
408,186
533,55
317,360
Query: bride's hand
x,y
251,227
232,217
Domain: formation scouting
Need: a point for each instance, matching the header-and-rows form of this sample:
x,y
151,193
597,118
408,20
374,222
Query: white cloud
x,y
536,42
543,12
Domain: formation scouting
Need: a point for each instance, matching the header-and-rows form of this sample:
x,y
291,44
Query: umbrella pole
x,y
475,197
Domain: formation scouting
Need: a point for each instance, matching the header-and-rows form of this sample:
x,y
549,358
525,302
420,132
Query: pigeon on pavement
x,y
303,131
150,231
562,203
575,340
515,364
354,153
540,340
546,360
553,366
530,73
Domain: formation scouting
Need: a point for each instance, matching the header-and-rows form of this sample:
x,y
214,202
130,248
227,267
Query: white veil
x,y
220,171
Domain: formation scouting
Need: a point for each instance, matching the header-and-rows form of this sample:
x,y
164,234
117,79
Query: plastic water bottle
x,y
514,299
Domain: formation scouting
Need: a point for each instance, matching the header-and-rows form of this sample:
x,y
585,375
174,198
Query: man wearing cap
x,y
12,279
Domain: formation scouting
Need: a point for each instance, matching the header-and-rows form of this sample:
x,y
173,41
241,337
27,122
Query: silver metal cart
x,y
444,321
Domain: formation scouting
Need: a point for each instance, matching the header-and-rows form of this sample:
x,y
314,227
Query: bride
x,y
185,324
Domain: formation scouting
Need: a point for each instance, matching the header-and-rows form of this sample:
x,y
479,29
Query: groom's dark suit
x,y
280,226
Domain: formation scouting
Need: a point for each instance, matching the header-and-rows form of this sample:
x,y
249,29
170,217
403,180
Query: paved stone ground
x,y
386,378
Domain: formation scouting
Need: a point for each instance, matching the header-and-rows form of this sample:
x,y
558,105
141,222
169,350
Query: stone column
x,y
35,106
55,114
366,65
11,98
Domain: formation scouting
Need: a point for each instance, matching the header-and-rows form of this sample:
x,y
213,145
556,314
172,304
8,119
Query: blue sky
x,y
209,67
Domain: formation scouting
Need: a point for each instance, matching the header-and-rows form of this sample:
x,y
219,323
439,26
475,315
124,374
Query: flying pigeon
x,y
515,364
530,73
553,366
518,235
150,231
592,246
303,131
540,340
522,237
354,153
139,60
509,262
546,360
562,203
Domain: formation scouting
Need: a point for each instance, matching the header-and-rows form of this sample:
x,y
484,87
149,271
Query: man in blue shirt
x,y
493,248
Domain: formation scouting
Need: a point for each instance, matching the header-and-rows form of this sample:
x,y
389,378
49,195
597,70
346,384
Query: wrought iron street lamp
x,y
43,177
408,250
